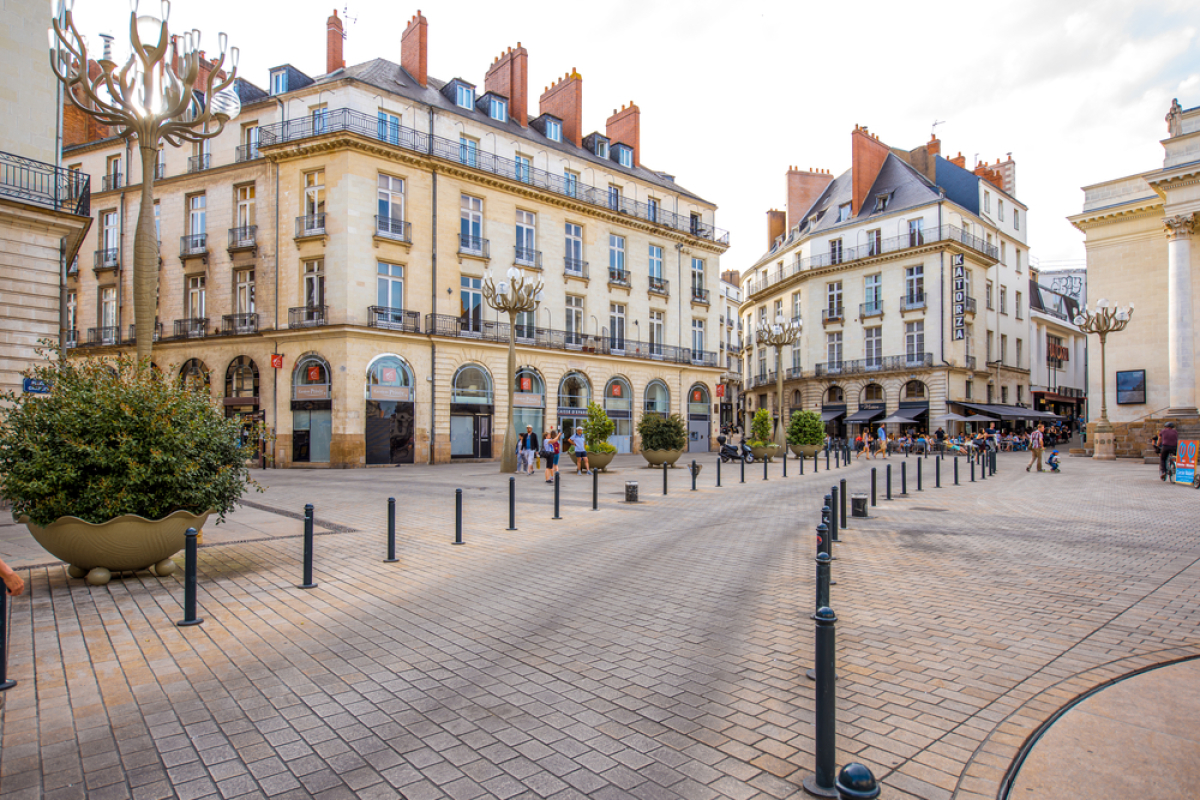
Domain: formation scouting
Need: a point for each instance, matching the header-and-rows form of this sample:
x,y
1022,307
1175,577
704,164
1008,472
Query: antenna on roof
x,y
347,17
933,127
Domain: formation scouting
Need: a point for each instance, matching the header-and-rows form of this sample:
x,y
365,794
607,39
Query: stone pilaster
x,y
1180,350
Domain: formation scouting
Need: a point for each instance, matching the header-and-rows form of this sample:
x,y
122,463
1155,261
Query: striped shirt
x,y
1035,440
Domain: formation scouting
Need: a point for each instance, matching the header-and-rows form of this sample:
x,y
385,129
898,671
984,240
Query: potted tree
x,y
596,430
114,464
806,434
760,436
664,439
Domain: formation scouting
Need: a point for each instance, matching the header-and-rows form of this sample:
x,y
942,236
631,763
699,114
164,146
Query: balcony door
x,y
195,297
616,327
471,224
244,292
314,198
471,314
526,237
390,205
314,285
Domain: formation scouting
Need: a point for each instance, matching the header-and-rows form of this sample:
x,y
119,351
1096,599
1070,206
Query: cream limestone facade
x,y
369,244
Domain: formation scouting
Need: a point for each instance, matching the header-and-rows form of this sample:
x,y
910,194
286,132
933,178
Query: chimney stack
x,y
625,126
509,76
803,189
414,49
776,226
334,38
866,159
564,99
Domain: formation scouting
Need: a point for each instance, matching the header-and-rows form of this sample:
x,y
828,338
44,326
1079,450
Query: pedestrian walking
x,y
1036,444
526,451
883,441
1168,444
550,447
581,459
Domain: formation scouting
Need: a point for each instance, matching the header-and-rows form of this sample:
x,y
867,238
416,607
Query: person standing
x,y
550,451
1168,444
882,436
1036,444
581,459
527,449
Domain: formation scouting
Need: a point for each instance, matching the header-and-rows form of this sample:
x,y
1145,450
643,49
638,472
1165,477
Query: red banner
x,y
526,384
277,361
720,390
697,396
314,374
389,375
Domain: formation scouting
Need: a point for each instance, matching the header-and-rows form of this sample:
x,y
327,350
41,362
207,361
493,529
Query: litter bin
x,y
631,492
858,505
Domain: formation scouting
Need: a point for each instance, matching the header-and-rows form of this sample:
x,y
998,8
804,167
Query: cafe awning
x,y
864,415
1008,412
832,414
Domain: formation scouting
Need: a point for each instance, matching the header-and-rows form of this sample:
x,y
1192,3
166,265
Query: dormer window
x,y
554,130
881,201
464,96
498,109
843,212
624,155
601,147
279,81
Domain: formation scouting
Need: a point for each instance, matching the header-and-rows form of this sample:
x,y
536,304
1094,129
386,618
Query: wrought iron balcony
x,y
870,309
191,328
45,185
109,258
829,315
310,225
913,301
575,267
474,246
393,319
109,334
883,364
234,324
199,163
155,335
699,295
307,316
525,257
243,238
395,229
794,373
111,181
194,245
618,277
247,152
659,285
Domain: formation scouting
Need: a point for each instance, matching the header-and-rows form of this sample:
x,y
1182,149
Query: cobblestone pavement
x,y
648,651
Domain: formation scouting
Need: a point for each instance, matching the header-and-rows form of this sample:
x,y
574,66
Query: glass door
x,y
471,315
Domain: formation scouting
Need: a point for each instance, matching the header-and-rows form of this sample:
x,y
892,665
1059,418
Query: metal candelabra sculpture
x,y
157,94
1102,321
783,332
517,295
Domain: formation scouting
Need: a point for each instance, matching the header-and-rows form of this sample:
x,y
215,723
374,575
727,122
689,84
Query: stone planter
x,y
598,461
805,450
766,451
127,543
657,458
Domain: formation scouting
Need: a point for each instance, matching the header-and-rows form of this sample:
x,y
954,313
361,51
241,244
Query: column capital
x,y
1180,225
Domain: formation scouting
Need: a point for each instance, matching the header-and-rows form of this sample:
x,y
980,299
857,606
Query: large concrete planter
x,y
766,451
125,544
658,458
805,450
598,461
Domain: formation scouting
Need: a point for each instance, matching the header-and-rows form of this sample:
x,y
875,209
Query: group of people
x,y
879,443
553,443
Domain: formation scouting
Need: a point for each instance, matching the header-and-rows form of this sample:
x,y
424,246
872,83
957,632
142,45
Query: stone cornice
x,y
1180,226
1101,216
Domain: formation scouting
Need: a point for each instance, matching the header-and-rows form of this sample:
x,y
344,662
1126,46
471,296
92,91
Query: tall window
x,y
279,82
524,168
320,120
113,170
656,262
471,225
195,297
468,151
762,363
1017,255
1003,299
314,193
574,312
498,110
389,201
574,248
614,197
526,237
833,299
616,326
991,341
990,302
1003,389
1020,347
698,277
797,308
470,294
108,307
1000,209
111,232
835,251
697,337
570,183
72,312
916,232
314,284
245,206
833,349
1003,348
969,337
389,127
873,289
652,209
656,332
244,292
914,283
1020,313
1017,219
797,355
616,257
389,284
158,222
874,346
1003,252
197,215
914,341
874,242
987,202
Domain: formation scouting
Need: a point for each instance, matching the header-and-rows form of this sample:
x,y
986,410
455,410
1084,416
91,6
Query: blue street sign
x,y
35,386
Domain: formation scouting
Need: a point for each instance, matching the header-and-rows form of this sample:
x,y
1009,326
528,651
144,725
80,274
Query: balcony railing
x,y
243,238
109,258
191,328
526,257
871,309
971,362
307,316
394,319
110,334
945,233
699,295
575,268
247,152
912,302
194,245
70,338
618,277
199,163
474,246
883,364
310,225
45,185
233,324
794,373
341,120
110,182
390,228
829,315
599,343
659,285
155,335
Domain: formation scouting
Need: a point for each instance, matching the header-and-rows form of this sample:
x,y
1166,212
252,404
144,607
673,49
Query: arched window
x,y
575,391
311,370
389,378
193,374
529,381
796,401
472,384
872,392
915,390
698,399
658,399
835,395
241,378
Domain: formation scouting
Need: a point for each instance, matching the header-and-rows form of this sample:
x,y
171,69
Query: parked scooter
x,y
740,451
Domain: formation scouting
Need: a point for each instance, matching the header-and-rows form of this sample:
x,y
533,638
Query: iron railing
x,y
793,373
659,285
600,343
243,238
108,334
734,348
310,225
246,152
394,319
912,301
883,364
109,258
239,323
527,257
110,182
347,120
575,267
155,335
618,277
871,309
191,328
699,295
70,338
194,245
833,314
944,233
474,246
199,163
390,228
307,316
45,185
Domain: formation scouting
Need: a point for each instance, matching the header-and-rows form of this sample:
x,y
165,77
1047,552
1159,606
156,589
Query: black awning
x,y
864,415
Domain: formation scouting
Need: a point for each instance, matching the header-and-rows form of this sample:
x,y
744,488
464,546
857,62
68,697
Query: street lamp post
x,y
783,332
153,96
515,296
1102,321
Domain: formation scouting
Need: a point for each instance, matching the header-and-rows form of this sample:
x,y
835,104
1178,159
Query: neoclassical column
x,y
1180,335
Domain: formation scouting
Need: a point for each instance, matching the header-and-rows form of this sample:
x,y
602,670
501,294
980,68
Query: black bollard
x,y
919,460
512,504
693,474
308,548
994,454
391,544
956,469
742,461
596,489
855,782
764,468
983,466
903,478
833,515
816,462
718,472
822,782
785,461
189,579
800,458
826,458
556,515
823,538
874,483
937,473
889,482
458,517
664,469
5,681
972,470
843,494
824,565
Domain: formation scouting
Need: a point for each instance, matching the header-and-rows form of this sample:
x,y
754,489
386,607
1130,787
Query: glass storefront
x,y
618,404
390,411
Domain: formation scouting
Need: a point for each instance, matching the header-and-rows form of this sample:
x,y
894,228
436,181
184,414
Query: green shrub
x,y
596,430
806,428
760,429
662,433
112,439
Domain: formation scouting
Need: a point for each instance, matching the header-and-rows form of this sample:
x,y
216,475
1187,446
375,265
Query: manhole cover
x,y
921,508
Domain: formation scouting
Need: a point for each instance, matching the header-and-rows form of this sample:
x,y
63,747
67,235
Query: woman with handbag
x,y
550,449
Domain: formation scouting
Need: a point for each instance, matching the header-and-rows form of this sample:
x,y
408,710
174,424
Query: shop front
x,y
242,396
658,399
699,419
312,410
471,413
618,405
833,412
574,394
863,419
529,402
390,411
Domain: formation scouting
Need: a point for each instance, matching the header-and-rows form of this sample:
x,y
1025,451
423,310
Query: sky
x,y
731,95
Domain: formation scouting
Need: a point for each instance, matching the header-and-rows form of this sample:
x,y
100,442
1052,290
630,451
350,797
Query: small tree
x,y
760,428
597,429
662,433
806,428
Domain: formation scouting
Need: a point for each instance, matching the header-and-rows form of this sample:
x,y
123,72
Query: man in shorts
x,y
581,458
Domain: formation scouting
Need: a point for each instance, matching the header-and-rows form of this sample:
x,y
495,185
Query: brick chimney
x,y
776,226
509,76
334,38
959,160
414,49
990,174
867,157
564,99
803,189
625,126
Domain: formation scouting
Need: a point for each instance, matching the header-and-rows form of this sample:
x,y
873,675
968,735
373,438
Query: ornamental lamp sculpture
x,y
783,332
1102,321
517,295
158,94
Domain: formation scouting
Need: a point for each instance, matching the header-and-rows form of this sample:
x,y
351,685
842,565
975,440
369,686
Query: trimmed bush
x,y
662,433
806,428
760,429
596,430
